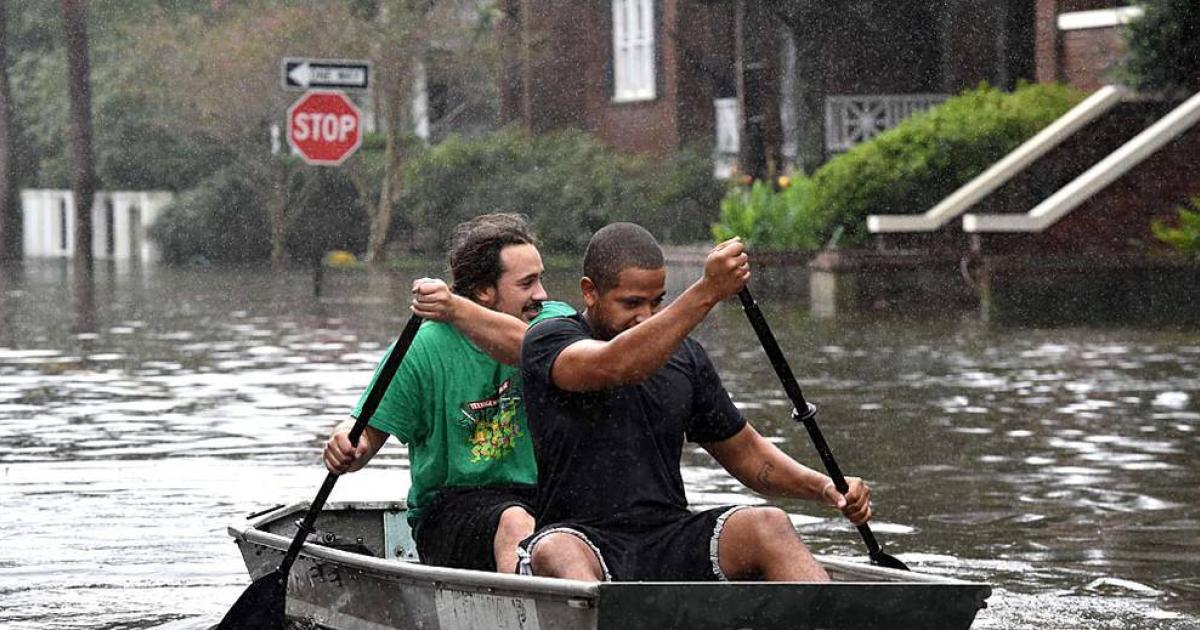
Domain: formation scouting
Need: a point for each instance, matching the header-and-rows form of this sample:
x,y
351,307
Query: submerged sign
x,y
304,74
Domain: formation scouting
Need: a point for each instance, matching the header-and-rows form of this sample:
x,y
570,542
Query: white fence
x,y
119,223
850,119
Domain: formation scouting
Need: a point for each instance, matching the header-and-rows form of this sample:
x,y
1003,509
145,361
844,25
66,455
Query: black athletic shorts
x,y
458,528
678,547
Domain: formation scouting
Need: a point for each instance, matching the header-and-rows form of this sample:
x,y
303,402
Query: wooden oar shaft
x,y
805,412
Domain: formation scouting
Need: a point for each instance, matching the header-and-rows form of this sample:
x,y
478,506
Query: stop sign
x,y
323,126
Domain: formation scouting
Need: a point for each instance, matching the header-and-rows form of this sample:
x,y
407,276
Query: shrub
x,y
1164,47
765,219
224,219
1184,237
220,220
325,214
566,182
907,169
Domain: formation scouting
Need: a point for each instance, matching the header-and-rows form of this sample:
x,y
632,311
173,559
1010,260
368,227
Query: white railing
x,y
850,119
1008,167
1096,178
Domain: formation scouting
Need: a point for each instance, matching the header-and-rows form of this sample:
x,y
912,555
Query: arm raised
x,y
498,334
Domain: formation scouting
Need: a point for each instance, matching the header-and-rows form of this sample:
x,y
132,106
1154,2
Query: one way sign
x,y
304,74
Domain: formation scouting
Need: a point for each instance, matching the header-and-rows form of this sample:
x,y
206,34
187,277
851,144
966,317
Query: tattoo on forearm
x,y
764,476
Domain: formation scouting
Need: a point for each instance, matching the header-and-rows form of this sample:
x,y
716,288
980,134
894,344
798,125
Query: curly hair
x,y
475,247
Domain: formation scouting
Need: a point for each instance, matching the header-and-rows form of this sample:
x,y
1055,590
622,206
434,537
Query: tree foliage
x,y
185,96
1164,47
566,182
221,219
134,144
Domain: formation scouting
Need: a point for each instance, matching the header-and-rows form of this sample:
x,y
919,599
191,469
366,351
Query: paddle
x,y
809,418
262,605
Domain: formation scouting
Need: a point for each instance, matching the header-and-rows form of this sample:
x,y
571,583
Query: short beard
x,y
599,330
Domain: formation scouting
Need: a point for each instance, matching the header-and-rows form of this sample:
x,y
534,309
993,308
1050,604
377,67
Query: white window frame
x,y
633,50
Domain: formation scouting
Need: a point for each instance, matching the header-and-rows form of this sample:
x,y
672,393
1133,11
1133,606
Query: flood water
x,y
1057,464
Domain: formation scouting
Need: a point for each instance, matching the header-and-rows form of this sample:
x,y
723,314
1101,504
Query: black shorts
x,y
679,547
458,528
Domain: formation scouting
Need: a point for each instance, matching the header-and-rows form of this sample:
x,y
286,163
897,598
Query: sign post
x,y
325,127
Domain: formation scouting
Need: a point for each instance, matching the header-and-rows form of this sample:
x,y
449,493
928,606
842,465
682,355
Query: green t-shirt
x,y
459,411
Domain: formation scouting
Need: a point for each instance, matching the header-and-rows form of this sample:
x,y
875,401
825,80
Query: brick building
x,y
1090,184
1079,42
748,77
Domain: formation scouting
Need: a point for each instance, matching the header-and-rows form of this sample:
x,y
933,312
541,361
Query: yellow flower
x,y
783,181
340,258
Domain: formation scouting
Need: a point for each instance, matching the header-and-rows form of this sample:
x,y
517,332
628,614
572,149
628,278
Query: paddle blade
x,y
261,606
888,561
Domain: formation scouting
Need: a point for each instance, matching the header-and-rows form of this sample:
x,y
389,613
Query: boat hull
x,y
335,587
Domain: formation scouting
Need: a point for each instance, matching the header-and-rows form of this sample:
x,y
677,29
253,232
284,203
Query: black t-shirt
x,y
611,458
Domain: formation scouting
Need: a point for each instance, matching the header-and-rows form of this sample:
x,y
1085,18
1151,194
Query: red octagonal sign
x,y
324,126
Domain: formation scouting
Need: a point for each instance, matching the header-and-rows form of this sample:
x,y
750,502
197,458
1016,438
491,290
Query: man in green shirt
x,y
456,401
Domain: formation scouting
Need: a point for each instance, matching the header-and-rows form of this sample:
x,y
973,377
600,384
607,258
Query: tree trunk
x,y
83,177
526,34
10,283
381,215
394,93
10,209
402,50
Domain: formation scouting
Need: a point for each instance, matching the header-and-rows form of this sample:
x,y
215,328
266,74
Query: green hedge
x,y
905,170
224,218
566,182
220,220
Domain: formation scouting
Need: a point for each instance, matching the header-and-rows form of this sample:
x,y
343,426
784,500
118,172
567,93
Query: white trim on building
x,y
633,50
119,223
1099,18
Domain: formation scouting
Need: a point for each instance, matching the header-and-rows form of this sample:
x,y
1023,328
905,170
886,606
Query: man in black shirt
x,y
613,393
